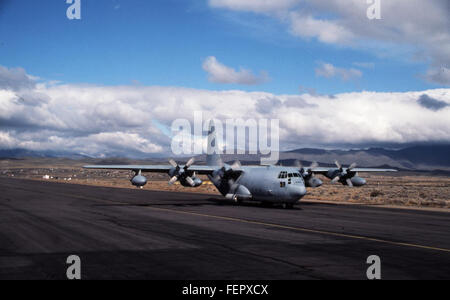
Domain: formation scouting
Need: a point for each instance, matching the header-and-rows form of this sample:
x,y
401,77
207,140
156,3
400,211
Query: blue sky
x,y
165,42
113,82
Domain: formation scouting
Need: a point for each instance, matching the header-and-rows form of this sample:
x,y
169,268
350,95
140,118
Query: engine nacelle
x,y
313,182
358,181
197,182
139,180
238,193
346,176
332,173
354,180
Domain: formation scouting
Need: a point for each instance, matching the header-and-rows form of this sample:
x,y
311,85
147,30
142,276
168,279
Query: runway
x,y
138,234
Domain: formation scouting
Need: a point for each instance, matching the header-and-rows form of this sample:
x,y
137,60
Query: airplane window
x,y
290,175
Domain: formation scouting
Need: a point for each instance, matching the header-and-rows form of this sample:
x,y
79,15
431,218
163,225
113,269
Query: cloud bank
x,y
126,120
15,79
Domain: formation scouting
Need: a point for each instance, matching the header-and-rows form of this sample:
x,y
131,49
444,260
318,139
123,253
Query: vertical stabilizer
x,y
213,151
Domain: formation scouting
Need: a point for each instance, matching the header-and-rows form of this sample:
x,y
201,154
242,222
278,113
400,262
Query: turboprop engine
x,y
345,175
183,175
226,179
238,193
138,180
197,182
308,175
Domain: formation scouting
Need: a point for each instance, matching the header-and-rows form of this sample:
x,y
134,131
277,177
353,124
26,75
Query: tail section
x,y
213,152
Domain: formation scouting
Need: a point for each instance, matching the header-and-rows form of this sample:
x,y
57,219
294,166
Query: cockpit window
x,y
290,175
295,174
283,174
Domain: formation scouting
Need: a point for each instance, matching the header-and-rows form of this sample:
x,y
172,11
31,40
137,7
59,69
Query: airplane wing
x,y
324,170
372,170
204,170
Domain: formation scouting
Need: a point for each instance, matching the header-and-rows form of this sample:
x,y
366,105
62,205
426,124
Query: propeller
x,y
335,179
344,174
306,172
226,171
173,180
181,173
352,166
338,165
236,166
173,163
349,182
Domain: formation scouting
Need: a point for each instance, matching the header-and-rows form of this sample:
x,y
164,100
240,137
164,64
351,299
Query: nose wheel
x,y
236,200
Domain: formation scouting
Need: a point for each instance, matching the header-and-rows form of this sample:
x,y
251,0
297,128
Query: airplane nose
x,y
298,192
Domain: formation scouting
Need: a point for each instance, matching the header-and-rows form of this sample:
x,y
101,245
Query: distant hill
x,y
410,158
22,153
416,157
425,157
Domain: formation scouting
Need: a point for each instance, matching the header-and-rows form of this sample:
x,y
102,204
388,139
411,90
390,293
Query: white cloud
x,y
420,28
220,73
326,31
108,120
99,144
328,70
123,141
439,75
6,141
15,79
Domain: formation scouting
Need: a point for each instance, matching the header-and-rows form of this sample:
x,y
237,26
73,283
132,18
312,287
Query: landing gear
x,y
287,205
266,204
236,200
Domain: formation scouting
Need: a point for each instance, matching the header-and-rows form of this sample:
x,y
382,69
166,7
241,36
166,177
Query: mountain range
x,y
415,157
423,157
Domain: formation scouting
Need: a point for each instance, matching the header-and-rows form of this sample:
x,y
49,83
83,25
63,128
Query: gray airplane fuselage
x,y
264,183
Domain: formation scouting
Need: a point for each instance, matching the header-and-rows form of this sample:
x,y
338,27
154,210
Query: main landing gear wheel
x,y
287,205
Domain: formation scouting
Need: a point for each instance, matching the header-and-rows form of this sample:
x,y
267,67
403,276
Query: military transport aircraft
x,y
270,184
